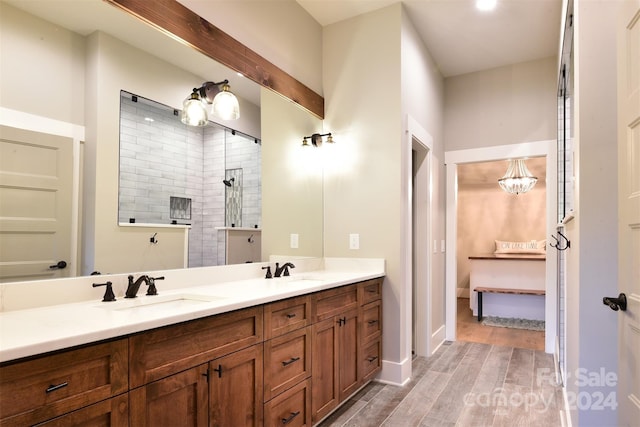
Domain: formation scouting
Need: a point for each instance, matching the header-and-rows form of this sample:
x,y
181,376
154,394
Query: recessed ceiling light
x,y
486,4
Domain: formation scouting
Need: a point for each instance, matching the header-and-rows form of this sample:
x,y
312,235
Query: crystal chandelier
x,y
518,179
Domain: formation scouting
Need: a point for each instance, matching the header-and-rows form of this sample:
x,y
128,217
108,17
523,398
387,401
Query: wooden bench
x,y
481,289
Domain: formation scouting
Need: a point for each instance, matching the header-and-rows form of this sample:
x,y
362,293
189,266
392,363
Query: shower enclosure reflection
x,y
202,177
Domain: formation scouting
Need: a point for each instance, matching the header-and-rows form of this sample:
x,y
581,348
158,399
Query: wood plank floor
x,y
490,377
469,329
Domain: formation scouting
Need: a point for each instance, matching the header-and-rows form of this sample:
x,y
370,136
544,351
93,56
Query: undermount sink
x,y
158,303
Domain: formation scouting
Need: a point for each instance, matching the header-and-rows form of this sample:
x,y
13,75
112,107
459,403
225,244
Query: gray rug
x,y
504,322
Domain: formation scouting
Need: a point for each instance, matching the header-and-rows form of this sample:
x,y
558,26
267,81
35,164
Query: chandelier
x,y
518,179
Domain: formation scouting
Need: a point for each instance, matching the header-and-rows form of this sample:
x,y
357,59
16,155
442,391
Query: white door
x,y
629,210
36,173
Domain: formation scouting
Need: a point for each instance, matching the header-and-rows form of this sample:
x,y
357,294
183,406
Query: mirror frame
x,y
182,24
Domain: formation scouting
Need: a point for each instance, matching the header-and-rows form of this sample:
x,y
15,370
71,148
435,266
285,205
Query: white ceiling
x,y
461,38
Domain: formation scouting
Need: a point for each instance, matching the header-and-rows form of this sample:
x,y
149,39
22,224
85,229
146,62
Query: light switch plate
x,y
293,240
354,241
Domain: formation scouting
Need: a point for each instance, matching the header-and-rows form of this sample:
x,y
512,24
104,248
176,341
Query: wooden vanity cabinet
x,y
342,343
43,388
162,352
202,372
289,362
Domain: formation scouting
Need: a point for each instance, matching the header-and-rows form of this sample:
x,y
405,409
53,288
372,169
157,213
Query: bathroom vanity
x,y
251,352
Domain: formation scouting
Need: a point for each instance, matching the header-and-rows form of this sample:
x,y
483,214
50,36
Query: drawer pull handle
x,y
371,358
372,291
291,417
290,361
291,315
372,322
56,387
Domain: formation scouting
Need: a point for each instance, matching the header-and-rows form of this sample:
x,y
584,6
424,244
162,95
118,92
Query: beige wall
x,y
422,88
365,88
486,213
505,105
41,67
292,194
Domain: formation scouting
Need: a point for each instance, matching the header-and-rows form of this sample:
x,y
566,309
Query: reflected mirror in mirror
x,y
205,178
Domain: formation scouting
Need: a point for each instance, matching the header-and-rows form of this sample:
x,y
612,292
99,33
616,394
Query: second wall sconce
x,y
224,104
316,139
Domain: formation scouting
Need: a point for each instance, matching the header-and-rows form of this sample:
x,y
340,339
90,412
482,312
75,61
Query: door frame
x,y
32,122
417,239
452,159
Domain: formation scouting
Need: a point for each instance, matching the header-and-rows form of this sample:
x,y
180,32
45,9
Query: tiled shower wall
x,y
191,164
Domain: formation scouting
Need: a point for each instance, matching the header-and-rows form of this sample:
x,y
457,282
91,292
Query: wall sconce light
x,y
224,104
518,179
316,139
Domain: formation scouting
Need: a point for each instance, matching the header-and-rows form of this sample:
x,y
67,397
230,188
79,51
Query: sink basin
x,y
158,303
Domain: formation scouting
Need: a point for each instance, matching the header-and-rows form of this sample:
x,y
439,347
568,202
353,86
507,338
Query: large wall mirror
x,y
205,178
105,51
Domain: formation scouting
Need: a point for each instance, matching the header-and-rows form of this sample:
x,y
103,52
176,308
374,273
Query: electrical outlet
x,y
354,241
293,241
435,246
442,246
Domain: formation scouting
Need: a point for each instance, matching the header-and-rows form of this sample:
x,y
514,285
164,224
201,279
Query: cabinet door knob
x,y
371,358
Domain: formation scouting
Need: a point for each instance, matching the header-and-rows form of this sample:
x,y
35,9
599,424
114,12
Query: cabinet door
x,y
324,362
178,400
112,412
349,378
235,387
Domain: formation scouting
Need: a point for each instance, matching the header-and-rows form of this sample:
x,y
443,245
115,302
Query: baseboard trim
x,y
462,292
395,373
437,339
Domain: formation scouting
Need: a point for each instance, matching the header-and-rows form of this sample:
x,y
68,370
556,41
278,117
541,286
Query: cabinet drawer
x,y
331,302
285,316
46,387
113,412
292,408
371,321
162,352
287,361
370,362
371,290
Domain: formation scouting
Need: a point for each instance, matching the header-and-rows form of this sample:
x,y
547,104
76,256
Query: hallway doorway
x,y
455,158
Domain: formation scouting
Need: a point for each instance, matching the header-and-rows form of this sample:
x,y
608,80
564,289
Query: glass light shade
x,y
225,104
194,112
518,179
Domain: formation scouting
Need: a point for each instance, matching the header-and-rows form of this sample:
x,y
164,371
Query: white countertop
x,y
32,331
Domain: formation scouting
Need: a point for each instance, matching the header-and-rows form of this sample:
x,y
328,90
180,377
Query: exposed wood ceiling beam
x,y
181,23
